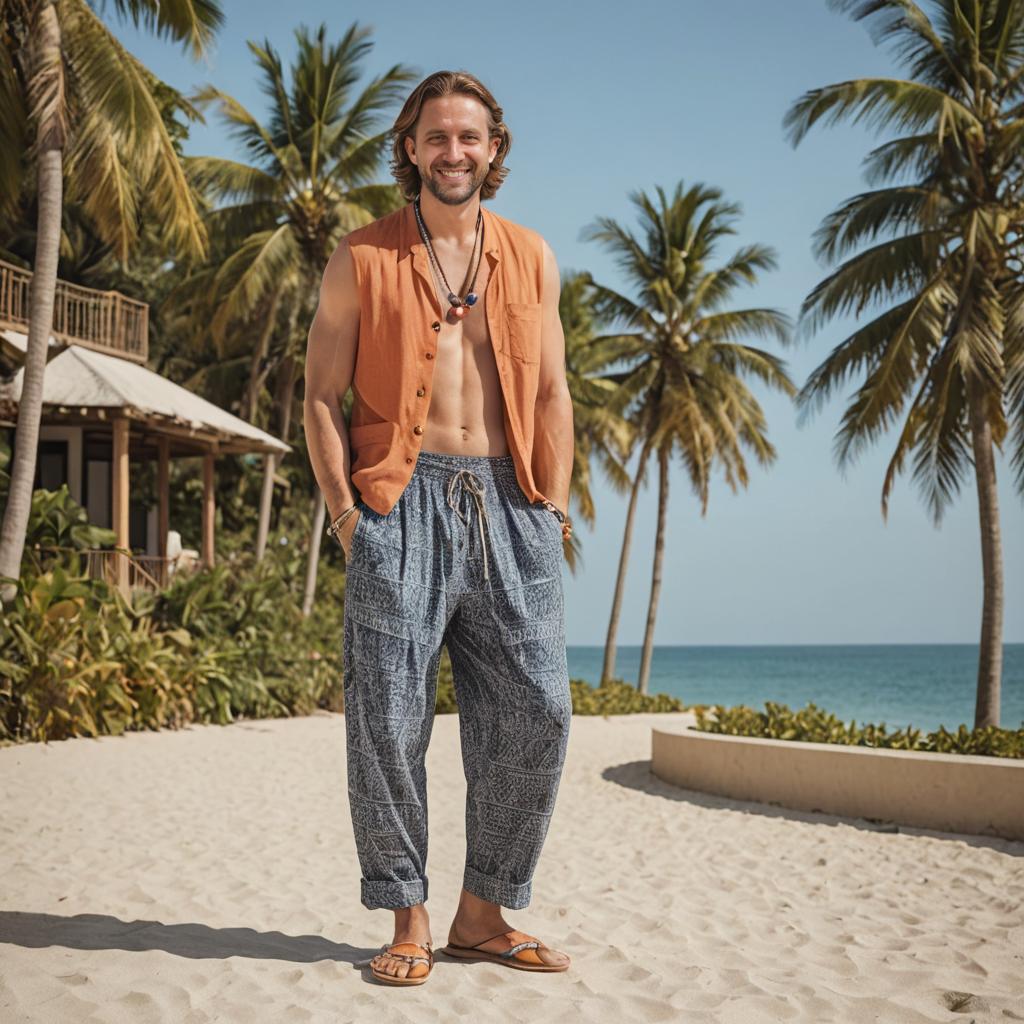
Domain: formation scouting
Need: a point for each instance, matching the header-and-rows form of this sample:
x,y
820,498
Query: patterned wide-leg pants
x,y
462,560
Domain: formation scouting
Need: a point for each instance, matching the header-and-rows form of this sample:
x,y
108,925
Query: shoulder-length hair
x,y
447,83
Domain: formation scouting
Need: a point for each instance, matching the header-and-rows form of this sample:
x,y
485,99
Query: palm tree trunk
x,y
47,63
659,552
257,368
608,669
285,397
316,533
990,653
283,401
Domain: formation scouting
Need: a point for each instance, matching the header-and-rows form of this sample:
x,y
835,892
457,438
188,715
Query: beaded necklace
x,y
459,306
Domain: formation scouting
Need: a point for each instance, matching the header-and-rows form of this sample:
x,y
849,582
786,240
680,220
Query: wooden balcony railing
x,y
107,321
117,566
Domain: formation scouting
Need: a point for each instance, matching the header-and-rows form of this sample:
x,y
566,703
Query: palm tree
x,y
600,430
311,180
76,106
943,253
682,387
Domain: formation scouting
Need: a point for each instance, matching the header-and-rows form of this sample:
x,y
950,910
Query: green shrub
x,y
618,698
813,725
282,664
77,660
615,698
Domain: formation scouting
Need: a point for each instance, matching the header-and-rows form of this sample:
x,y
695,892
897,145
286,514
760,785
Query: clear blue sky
x,y
602,99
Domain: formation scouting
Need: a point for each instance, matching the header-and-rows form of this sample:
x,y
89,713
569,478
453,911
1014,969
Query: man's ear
x,y
407,142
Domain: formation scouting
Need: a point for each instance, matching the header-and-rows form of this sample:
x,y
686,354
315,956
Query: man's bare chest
x,y
472,328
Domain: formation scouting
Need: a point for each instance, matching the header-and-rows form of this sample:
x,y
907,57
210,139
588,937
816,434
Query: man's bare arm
x,y
330,361
553,424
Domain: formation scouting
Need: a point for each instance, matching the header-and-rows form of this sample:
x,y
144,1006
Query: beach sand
x,y
209,874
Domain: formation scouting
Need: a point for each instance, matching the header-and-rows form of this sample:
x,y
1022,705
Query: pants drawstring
x,y
472,483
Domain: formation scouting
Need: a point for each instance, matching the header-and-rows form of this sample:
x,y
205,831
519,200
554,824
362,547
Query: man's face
x,y
451,136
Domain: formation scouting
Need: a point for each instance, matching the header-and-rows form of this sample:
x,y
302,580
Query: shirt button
x,y
407,459
436,325
417,429
420,392
430,355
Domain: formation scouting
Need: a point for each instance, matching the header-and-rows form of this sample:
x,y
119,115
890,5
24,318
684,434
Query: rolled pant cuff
x,y
497,890
391,895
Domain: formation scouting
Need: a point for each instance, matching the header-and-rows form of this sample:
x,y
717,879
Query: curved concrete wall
x,y
947,792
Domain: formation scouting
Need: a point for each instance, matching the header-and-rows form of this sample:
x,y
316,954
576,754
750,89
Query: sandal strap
x,y
410,959
509,953
407,957
482,941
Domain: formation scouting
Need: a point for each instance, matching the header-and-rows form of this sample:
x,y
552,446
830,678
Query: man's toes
x,y
554,957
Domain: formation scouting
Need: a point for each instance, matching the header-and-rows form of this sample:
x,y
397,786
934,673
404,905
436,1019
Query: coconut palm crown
x,y
312,169
683,388
931,264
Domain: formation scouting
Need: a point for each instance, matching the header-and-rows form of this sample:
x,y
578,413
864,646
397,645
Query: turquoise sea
x,y
923,685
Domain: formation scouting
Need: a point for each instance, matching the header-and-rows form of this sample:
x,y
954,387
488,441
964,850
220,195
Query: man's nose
x,y
454,152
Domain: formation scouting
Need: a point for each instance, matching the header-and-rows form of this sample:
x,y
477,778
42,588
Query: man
x,y
443,317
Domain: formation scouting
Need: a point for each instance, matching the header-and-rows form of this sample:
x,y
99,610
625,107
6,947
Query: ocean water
x,y
919,685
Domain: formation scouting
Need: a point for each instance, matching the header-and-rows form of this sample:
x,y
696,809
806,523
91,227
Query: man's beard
x,y
440,190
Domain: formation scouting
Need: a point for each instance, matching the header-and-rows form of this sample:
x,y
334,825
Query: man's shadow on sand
x,y
195,941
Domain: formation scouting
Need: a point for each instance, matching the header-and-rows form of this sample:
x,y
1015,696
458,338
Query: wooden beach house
x,y
105,414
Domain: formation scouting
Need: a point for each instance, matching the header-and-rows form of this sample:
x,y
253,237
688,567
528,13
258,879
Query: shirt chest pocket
x,y
522,324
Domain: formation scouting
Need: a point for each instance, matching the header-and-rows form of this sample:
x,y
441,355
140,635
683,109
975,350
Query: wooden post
x,y
266,504
209,509
119,498
316,534
163,488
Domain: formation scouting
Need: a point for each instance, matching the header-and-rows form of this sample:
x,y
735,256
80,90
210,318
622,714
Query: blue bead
x,y
471,299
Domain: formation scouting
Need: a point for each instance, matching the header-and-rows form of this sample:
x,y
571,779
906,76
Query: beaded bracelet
x,y
560,516
332,530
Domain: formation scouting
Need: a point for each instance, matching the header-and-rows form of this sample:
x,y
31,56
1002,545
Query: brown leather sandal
x,y
409,958
510,957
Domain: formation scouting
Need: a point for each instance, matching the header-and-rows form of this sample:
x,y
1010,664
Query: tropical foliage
x,y
77,658
603,437
937,258
229,254
683,388
80,116
813,725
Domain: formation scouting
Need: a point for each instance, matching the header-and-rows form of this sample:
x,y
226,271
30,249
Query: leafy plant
x,y
813,725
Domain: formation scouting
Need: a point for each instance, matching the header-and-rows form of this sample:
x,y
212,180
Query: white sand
x,y
210,875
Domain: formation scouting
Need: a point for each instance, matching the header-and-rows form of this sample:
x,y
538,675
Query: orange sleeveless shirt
x,y
399,322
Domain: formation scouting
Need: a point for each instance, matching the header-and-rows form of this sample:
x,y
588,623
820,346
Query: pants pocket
x,y
353,543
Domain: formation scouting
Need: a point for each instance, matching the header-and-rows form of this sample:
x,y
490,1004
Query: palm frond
x,y
262,261
868,215
229,180
882,103
191,22
894,349
112,85
875,274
